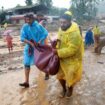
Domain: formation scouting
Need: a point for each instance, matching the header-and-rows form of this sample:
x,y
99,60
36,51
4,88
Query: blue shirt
x,y
34,32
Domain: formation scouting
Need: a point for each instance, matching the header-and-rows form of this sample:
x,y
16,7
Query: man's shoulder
x,y
75,24
25,25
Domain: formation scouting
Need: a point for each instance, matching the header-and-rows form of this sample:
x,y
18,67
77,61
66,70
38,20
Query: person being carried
x,y
44,23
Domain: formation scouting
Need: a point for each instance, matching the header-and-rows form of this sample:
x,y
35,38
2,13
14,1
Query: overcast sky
x,y
12,3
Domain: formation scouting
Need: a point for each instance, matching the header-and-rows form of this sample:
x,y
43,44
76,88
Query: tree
x,y
2,8
2,17
18,5
57,11
84,9
47,3
29,2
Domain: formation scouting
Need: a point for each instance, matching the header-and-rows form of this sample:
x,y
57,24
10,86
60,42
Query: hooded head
x,y
65,20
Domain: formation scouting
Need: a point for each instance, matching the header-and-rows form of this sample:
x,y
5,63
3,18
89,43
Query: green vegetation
x,y
84,9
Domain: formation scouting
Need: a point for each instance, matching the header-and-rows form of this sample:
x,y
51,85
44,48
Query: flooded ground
x,y
89,91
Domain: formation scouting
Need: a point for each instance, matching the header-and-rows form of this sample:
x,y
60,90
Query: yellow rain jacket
x,y
96,31
70,52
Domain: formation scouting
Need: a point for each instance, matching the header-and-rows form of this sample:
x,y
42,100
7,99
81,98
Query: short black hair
x,y
29,15
39,14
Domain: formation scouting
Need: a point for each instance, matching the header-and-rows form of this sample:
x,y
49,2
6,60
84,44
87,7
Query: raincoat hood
x,y
74,27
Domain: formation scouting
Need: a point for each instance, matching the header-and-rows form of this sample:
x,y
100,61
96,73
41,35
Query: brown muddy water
x,y
89,91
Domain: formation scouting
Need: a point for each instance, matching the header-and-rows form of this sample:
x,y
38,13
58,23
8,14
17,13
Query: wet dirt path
x,y
89,91
42,86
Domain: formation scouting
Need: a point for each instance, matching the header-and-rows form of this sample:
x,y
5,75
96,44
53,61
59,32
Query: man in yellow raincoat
x,y
97,33
70,51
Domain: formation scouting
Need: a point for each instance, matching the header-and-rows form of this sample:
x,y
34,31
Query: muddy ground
x,y
89,91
